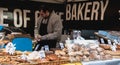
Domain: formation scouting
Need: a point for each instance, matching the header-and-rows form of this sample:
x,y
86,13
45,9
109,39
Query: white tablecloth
x,y
103,62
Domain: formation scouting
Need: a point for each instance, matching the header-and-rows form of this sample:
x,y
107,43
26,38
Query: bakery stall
x,y
16,49
77,15
72,52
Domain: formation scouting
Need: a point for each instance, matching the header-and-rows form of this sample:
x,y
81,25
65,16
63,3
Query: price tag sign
x,y
10,48
23,56
114,44
109,42
42,54
102,40
46,48
61,45
115,41
113,47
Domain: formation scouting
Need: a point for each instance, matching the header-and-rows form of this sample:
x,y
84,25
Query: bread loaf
x,y
105,46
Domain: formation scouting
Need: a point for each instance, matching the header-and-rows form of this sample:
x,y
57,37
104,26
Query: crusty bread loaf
x,y
118,47
113,53
105,46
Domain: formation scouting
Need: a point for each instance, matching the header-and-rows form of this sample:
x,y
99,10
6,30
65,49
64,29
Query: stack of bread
x,y
73,52
80,52
8,59
29,58
108,50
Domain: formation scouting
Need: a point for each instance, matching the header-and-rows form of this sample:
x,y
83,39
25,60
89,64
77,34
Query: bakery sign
x,y
93,14
90,10
20,17
86,10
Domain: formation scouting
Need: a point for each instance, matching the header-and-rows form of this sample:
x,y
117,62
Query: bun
x,y
64,58
99,49
113,53
118,47
52,57
105,46
59,52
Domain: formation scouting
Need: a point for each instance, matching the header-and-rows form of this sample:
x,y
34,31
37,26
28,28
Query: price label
x,y
102,40
113,47
115,41
61,45
10,48
46,48
42,54
109,42
23,56
114,44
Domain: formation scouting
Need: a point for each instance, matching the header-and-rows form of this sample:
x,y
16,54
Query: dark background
x,y
111,19
110,22
28,5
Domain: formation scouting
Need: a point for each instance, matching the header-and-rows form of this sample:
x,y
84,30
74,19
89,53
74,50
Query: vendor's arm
x,y
57,30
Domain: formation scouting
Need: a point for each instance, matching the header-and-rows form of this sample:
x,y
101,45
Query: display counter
x,y
89,52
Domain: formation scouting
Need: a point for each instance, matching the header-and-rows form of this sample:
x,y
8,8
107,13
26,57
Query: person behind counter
x,y
49,28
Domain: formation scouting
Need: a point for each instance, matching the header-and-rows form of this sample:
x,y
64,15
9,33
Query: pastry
x,y
105,46
52,57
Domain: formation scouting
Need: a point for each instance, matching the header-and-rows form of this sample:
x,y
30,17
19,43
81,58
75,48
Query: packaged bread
x,y
76,47
113,53
86,59
52,57
92,57
108,57
105,46
86,53
118,46
64,57
78,58
93,46
60,52
99,49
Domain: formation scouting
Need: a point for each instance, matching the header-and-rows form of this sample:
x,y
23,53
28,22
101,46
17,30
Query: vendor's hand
x,y
37,37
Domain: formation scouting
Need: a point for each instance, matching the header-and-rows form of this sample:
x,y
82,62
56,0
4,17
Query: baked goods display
x,y
80,52
26,58
74,52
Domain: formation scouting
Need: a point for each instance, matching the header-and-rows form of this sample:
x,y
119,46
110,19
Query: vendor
x,y
49,28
